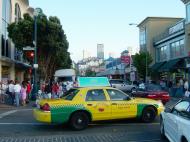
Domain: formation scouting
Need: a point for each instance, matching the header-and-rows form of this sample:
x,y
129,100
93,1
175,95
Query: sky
x,y
91,22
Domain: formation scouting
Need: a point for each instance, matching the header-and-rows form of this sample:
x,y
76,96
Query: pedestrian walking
x,y
1,93
55,90
11,91
17,90
187,93
47,90
28,91
23,93
186,85
60,91
3,87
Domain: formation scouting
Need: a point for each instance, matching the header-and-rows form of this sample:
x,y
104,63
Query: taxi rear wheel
x,y
79,121
148,114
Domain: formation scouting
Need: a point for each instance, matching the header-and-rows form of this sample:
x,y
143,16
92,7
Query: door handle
x,y
114,103
89,104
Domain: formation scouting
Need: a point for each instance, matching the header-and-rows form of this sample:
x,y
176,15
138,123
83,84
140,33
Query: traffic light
x,y
30,55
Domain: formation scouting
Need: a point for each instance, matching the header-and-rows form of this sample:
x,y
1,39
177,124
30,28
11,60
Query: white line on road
x,y
7,113
152,140
124,124
142,124
37,124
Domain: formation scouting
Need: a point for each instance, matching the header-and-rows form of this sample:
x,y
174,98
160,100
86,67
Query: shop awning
x,y
169,65
156,66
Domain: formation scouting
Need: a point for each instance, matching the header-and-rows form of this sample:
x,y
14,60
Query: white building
x,y
12,65
100,51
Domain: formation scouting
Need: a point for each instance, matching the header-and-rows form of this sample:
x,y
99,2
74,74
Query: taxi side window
x,y
116,95
95,95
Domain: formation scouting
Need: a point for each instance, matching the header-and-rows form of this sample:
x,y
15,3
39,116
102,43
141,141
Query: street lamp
x,y
37,12
146,64
133,24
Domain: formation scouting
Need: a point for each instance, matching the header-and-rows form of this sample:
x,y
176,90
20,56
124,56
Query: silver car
x,y
122,85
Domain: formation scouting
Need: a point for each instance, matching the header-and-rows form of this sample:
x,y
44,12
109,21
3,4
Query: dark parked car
x,y
152,91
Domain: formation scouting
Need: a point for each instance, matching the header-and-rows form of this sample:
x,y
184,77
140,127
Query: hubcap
x,y
79,121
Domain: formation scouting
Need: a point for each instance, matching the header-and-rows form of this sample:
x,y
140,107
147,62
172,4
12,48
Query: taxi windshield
x,y
69,95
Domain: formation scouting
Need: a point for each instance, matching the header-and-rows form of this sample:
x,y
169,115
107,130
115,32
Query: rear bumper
x,y
160,109
42,116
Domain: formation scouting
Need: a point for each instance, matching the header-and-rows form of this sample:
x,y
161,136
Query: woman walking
x,y
17,90
23,93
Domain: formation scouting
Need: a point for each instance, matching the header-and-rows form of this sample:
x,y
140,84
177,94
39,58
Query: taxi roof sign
x,y
93,82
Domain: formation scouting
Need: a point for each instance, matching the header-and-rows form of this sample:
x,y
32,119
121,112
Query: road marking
x,y
24,109
152,140
37,124
125,124
7,113
46,124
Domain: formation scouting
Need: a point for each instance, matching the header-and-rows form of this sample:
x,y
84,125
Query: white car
x,y
175,122
122,85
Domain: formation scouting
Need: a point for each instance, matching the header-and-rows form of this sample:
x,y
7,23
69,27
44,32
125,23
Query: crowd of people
x,y
18,93
55,89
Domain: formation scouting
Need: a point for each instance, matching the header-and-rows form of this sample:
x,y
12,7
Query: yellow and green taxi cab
x,y
83,105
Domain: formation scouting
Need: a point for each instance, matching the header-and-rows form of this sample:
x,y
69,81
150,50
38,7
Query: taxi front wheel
x,y
148,114
79,121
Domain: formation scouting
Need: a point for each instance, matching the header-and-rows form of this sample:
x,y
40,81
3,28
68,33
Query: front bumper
x,y
42,116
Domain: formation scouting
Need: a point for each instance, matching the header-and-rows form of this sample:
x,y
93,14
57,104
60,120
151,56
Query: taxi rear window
x,y
69,95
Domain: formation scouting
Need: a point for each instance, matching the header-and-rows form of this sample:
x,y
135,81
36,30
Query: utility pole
x,y
37,12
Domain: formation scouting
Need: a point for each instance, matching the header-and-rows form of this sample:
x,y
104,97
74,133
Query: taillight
x,y
45,107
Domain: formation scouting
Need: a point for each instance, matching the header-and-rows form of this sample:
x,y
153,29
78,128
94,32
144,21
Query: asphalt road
x,y
18,125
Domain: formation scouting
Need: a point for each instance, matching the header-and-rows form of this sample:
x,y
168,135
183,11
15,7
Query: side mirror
x,y
134,91
168,110
127,98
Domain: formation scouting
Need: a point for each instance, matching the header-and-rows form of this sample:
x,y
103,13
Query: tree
x,y
90,73
52,44
140,60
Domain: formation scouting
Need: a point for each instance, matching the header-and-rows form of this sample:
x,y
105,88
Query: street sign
x,y
35,66
132,76
37,11
126,59
28,48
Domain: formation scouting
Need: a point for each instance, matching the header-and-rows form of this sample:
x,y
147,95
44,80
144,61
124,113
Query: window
x,y
182,47
188,13
142,36
116,81
177,49
6,17
158,54
162,53
95,95
17,12
172,50
116,95
182,109
71,94
177,54
182,106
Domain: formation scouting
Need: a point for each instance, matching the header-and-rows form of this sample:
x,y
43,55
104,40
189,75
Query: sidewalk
x,y
7,106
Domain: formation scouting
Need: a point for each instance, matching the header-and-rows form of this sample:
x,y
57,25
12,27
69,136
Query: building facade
x,y
170,48
12,65
100,51
151,27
